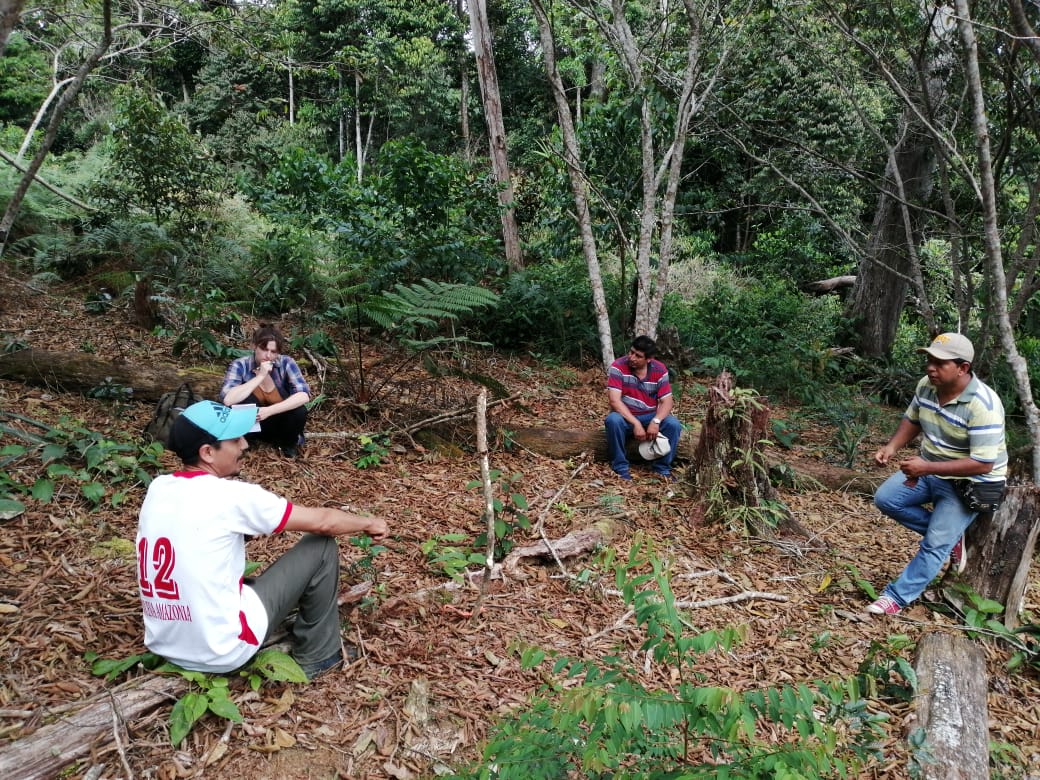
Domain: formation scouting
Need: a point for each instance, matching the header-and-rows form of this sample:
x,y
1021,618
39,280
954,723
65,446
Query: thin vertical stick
x,y
489,499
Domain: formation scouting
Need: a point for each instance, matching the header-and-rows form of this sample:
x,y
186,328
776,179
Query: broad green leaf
x,y
56,470
989,606
93,492
43,490
222,706
53,452
188,709
278,666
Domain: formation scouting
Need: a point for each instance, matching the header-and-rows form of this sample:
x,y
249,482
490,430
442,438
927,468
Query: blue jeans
x,y
619,431
940,527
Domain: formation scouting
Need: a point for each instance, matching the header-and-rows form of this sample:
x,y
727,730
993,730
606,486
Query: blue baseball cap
x,y
219,421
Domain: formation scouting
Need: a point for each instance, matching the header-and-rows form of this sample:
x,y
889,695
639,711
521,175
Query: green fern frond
x,y
412,308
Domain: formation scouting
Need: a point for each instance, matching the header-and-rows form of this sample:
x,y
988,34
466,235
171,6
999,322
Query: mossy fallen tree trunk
x,y
80,372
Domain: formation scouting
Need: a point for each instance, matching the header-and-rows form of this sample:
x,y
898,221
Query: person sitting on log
x,y
199,611
273,381
960,470
641,402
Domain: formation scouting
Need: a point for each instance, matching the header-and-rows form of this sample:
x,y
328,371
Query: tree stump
x,y
951,707
1000,549
730,466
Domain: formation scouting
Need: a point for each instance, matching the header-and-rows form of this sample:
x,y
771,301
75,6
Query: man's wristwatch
x,y
655,421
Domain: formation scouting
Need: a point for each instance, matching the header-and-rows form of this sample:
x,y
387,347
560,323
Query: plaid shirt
x,y
286,375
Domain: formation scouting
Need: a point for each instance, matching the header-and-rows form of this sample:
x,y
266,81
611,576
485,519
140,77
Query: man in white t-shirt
x,y
199,612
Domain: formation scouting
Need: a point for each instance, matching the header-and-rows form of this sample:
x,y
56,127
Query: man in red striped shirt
x,y
640,406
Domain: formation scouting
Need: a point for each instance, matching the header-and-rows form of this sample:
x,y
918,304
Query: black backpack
x,y
167,410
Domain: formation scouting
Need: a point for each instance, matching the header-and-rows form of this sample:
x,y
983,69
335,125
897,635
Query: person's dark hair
x,y
186,439
961,362
266,333
646,345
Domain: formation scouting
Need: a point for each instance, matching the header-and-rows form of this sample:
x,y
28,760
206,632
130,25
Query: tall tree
x,y
890,265
68,96
579,184
991,235
492,100
669,57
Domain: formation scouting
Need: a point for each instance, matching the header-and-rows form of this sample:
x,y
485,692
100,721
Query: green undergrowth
x,y
602,718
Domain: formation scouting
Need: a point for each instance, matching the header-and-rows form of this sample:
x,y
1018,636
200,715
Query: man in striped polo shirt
x,y
640,402
961,421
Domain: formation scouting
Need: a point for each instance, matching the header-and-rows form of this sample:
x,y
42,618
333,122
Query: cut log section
x,y
951,707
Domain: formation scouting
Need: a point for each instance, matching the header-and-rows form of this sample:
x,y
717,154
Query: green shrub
x,y
770,335
285,271
547,309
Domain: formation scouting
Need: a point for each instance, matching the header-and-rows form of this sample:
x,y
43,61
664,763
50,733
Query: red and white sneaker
x,y
959,555
885,605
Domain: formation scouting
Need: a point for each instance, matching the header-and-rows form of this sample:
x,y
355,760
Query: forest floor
x,y
68,586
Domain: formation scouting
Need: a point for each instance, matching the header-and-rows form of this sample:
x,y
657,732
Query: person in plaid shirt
x,y
273,381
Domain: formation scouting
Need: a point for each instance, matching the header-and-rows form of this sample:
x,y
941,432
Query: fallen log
x,y
49,749
836,284
564,444
80,372
951,707
580,542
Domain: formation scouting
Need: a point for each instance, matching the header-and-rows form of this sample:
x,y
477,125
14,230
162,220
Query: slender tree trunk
x,y
14,205
10,12
292,95
341,121
46,185
991,233
487,76
579,185
659,170
467,152
359,146
41,112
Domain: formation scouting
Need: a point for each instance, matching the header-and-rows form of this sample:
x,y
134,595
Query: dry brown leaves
x,y
431,680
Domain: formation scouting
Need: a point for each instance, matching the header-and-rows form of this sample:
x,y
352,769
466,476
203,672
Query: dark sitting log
x,y
563,444
951,707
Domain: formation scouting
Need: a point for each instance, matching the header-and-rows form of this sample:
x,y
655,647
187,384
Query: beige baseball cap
x,y
950,346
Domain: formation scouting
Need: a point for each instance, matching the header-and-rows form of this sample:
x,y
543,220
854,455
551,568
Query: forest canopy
x,y
688,169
